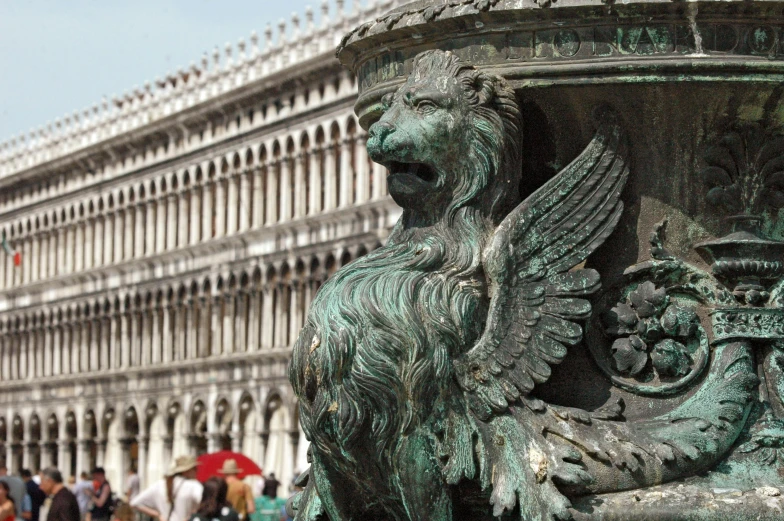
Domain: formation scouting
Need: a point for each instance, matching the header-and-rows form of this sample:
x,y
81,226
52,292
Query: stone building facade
x,y
171,240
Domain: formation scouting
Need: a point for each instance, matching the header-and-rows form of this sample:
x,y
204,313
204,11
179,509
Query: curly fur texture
x,y
373,361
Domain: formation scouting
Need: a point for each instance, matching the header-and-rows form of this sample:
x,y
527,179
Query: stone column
x,y
156,335
98,242
346,174
272,193
204,326
294,314
253,320
166,336
83,455
26,456
79,247
258,198
95,333
48,351
278,317
100,457
236,441
180,331
36,260
103,343
62,252
119,230
206,223
299,195
133,351
190,329
228,323
146,336
162,216
125,344
220,208
244,206
215,319
89,242
184,217
232,200
267,319
110,352
196,217
213,442
144,444
108,239
361,165
285,189
330,178
130,216
138,230
63,460
125,459
314,176
379,181
150,224
67,360
57,340
81,346
171,221
240,322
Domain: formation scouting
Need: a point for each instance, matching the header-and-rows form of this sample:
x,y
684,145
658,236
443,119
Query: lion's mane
x,y
375,353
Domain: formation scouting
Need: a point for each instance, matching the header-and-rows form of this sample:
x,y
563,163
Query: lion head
x,y
450,138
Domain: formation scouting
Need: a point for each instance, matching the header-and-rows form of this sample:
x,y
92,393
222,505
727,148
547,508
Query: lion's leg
x,y
424,493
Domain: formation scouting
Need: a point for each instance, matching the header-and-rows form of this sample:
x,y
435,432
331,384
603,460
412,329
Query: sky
x,y
58,56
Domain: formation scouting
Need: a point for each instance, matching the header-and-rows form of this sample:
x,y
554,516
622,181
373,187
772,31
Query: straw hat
x,y
230,468
182,464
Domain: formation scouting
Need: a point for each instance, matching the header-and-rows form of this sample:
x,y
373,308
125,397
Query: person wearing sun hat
x,y
240,496
175,497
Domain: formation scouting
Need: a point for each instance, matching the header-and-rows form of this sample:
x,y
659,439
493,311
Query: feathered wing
x,y
536,299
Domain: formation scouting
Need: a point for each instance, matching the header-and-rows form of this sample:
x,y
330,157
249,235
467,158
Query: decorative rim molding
x,y
644,41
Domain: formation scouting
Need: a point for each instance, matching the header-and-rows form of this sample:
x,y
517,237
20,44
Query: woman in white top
x,y
174,498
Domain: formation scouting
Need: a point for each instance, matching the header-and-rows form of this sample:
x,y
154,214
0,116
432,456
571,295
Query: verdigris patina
x,y
536,336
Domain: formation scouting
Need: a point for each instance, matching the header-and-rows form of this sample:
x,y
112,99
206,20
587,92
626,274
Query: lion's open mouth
x,y
420,170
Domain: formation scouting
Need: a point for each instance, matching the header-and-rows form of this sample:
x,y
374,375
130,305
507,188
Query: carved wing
x,y
535,298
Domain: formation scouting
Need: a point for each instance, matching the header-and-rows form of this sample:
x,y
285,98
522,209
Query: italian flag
x,y
10,251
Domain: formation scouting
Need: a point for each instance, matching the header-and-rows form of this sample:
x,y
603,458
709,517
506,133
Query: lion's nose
x,y
377,134
380,130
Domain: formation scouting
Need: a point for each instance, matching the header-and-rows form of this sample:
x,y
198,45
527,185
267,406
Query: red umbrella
x,y
211,464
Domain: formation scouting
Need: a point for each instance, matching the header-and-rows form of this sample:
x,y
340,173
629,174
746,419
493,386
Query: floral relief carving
x,y
653,333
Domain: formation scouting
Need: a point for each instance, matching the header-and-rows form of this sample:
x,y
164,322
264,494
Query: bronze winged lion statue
x,y
415,365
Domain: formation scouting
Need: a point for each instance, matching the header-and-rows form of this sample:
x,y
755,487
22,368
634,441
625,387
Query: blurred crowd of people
x,y
179,496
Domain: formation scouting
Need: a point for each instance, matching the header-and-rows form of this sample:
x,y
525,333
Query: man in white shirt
x,y
175,497
82,492
131,485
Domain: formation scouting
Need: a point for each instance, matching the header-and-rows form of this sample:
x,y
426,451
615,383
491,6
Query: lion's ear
x,y
485,88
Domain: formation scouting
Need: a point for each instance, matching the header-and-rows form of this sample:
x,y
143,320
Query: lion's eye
x,y
425,106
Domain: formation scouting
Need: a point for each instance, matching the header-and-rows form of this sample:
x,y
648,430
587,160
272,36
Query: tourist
x,y
37,496
131,485
271,486
214,504
27,507
7,507
82,490
64,506
240,496
174,498
17,490
101,495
